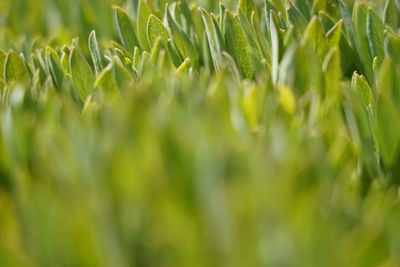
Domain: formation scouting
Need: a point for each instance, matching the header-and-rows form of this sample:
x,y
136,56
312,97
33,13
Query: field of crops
x,y
158,133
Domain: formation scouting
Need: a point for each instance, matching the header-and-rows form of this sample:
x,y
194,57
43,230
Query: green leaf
x,y
250,32
318,6
300,70
184,67
387,129
392,46
268,7
55,68
182,42
327,21
174,29
304,6
375,31
362,88
156,29
391,15
388,81
3,56
113,78
362,41
82,74
276,46
196,30
95,53
231,64
65,51
106,80
260,37
122,75
315,36
335,34
332,74
156,49
37,68
125,30
15,69
137,56
238,46
145,63
297,19
214,39
135,7
250,103
247,6
287,99
173,54
348,24
220,43
121,50
143,15
277,5
188,16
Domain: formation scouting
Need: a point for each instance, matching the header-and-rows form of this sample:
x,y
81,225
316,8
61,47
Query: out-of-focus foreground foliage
x,y
199,134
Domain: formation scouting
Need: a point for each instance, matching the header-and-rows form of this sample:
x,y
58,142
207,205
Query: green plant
x,y
194,134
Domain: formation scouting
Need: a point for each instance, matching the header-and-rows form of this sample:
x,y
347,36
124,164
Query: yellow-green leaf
x,y
143,15
95,52
125,30
315,36
375,31
362,88
55,68
247,6
391,15
332,74
238,45
156,29
81,73
15,69
3,56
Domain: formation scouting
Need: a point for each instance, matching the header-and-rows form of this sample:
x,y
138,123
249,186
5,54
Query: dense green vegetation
x,y
193,133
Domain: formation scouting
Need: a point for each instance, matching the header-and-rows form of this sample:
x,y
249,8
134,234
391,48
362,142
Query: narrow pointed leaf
x,y
335,34
3,56
125,30
362,41
332,74
315,36
184,67
55,68
348,23
391,15
392,46
238,45
182,42
275,49
375,31
297,19
388,130
95,53
82,74
143,15
362,88
215,49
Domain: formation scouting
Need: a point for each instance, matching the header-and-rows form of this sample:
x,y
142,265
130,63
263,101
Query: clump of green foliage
x,y
197,134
